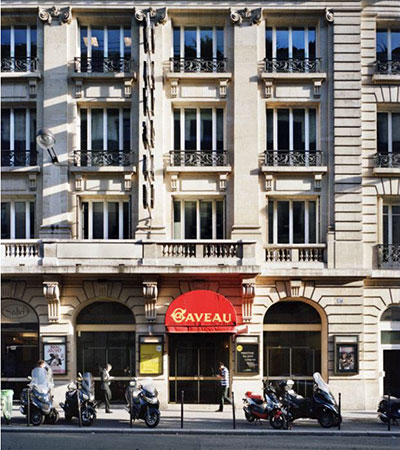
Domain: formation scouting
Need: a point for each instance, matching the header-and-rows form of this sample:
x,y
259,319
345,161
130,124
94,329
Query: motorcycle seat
x,y
255,397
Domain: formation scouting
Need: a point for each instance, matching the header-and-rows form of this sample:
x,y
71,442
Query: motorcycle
x,y
86,408
322,406
37,398
142,402
256,407
392,410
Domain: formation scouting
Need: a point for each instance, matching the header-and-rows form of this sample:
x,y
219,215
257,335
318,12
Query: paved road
x,y
49,441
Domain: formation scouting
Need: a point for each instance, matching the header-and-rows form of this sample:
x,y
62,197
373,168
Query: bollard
x,y
131,412
79,408
233,411
287,410
340,411
389,412
182,402
28,408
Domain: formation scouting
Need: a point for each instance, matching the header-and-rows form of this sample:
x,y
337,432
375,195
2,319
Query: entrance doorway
x,y
390,344
292,344
193,365
106,334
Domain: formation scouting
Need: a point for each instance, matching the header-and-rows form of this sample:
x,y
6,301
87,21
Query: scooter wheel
x,y
277,422
37,418
68,417
152,419
327,419
53,417
250,418
383,419
87,418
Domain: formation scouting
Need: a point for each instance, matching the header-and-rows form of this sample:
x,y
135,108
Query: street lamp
x,y
45,139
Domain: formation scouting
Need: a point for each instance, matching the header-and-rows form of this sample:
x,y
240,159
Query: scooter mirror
x,y
71,386
79,375
29,378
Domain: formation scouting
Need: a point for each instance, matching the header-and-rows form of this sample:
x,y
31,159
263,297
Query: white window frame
x,y
390,221
306,127
198,41
198,127
198,223
105,202
105,28
27,127
105,127
28,43
290,40
27,216
306,220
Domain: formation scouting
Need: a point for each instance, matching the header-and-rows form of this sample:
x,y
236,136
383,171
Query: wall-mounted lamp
x,y
46,140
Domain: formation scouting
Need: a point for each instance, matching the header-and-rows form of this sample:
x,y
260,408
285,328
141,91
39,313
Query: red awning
x,y
201,312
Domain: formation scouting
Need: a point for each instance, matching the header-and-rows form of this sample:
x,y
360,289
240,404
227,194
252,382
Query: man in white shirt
x,y
223,386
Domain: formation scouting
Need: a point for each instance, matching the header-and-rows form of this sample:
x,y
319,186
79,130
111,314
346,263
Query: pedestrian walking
x,y
223,386
105,386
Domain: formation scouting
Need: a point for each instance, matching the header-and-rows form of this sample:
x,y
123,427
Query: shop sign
x,y
247,351
150,355
14,311
55,353
201,311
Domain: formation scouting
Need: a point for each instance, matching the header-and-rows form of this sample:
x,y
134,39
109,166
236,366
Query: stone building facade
x,y
239,148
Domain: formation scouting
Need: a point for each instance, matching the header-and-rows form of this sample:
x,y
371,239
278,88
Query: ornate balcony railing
x,y
21,249
19,64
16,158
198,64
389,160
305,253
99,158
198,158
305,65
295,158
103,65
387,67
218,250
389,256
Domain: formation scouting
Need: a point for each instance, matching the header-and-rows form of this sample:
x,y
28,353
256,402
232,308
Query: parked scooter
x,y
256,407
392,410
86,408
37,398
142,402
322,406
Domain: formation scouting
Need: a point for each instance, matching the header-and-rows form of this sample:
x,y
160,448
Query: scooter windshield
x,y
41,379
319,381
87,383
148,386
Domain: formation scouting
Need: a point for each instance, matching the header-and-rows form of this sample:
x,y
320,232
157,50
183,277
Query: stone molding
x,y
248,294
150,295
253,16
157,16
329,15
51,292
62,15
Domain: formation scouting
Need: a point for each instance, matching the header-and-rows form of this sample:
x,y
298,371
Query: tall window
x,y
18,48
199,219
292,222
18,137
17,219
296,46
105,219
388,136
388,44
391,224
105,49
199,49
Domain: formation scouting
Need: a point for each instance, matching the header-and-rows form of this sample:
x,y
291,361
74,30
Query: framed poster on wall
x,y
346,355
55,353
151,355
247,354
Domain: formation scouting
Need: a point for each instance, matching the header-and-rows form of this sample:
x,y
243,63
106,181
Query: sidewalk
x,y
201,419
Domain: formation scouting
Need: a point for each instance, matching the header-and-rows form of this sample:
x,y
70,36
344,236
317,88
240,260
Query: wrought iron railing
x,y
19,64
198,158
387,67
293,158
103,65
389,256
98,158
198,64
389,160
16,158
305,65
305,253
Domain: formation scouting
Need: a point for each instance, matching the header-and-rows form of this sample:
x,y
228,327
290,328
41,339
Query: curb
x,y
179,431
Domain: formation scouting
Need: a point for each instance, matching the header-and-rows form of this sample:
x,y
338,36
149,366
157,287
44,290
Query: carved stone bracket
x,y
32,182
78,182
8,289
248,15
248,294
223,178
128,181
329,16
51,292
62,15
317,181
268,88
269,182
223,83
290,288
157,16
32,88
174,182
150,295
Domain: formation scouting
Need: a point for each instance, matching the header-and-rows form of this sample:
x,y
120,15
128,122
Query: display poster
x,y
346,355
54,353
151,358
247,356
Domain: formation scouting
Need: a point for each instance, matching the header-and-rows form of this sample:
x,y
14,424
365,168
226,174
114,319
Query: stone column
x,y
55,220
